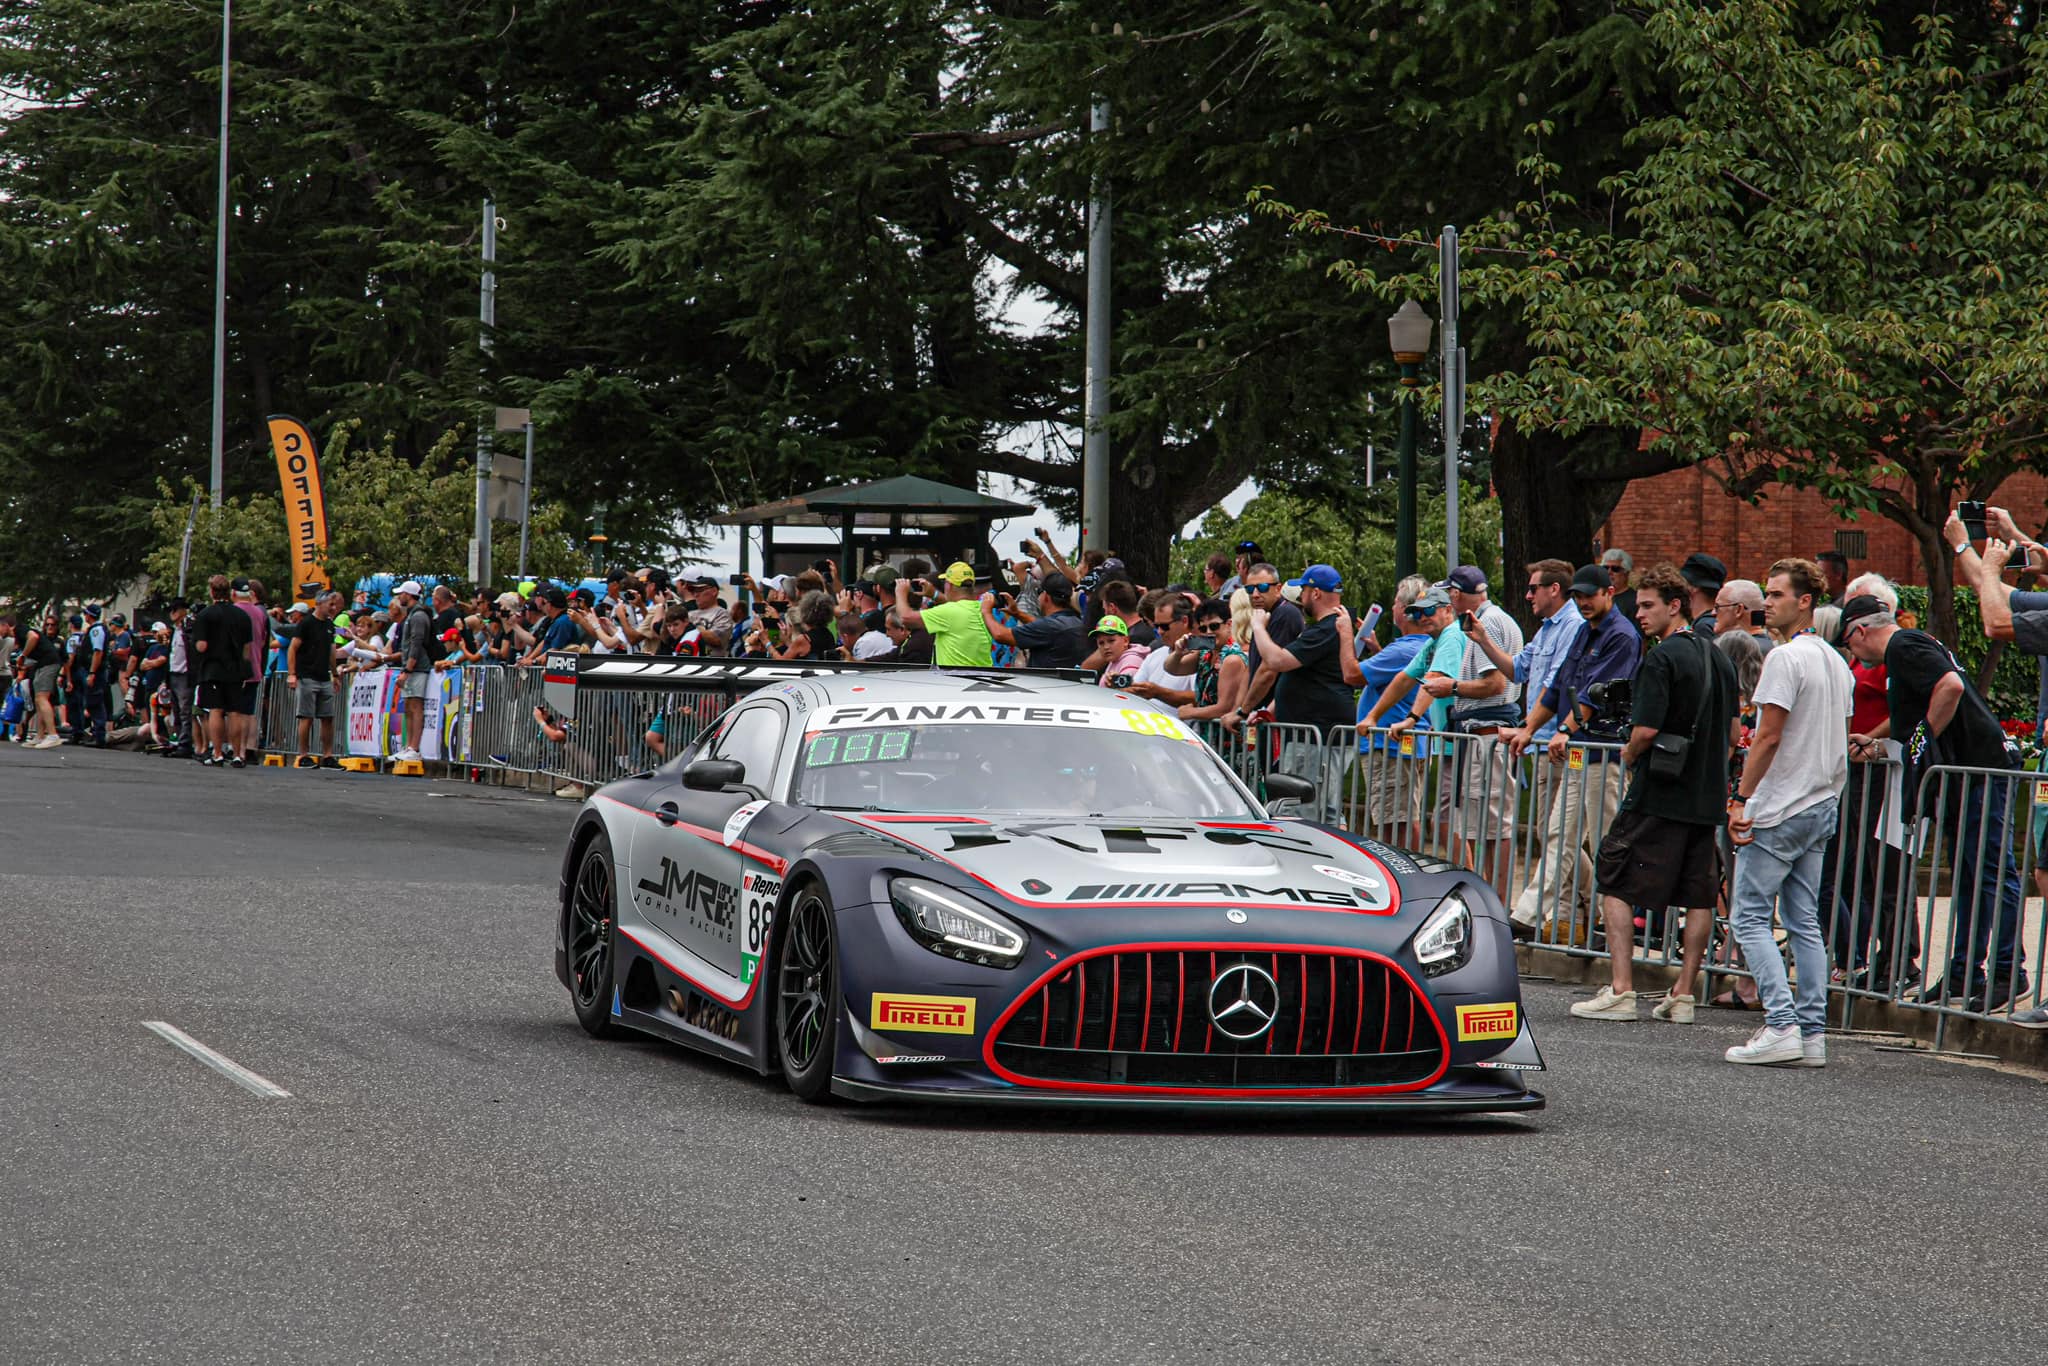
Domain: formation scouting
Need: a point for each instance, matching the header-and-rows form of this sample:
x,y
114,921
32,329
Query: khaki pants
x,y
1578,805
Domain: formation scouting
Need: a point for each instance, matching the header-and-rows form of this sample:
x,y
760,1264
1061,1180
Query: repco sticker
x,y
1479,1023
922,1014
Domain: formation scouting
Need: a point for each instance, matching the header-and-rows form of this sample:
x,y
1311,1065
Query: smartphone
x,y
1372,618
1973,519
736,580
1468,622
1024,547
1756,616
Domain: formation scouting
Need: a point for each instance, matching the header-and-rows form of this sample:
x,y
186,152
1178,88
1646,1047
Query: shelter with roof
x,y
884,519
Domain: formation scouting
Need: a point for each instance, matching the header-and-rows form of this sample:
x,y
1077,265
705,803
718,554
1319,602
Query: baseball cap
x,y
777,582
297,607
1865,610
411,586
959,574
241,585
1703,571
509,602
1468,578
156,626
1618,556
1432,600
1249,548
118,619
1590,579
1111,626
92,611
701,581
1320,576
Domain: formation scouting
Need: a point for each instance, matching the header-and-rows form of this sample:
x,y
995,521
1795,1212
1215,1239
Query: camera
x,y
1611,700
1973,517
1120,680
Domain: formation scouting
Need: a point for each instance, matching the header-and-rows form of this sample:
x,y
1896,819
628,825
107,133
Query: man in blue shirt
x,y
1583,784
1391,791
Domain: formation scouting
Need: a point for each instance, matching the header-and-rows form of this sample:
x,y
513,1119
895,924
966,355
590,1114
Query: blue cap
x,y
92,611
1318,576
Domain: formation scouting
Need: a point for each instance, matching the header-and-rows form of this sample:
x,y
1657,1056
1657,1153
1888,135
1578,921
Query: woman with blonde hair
x,y
1222,671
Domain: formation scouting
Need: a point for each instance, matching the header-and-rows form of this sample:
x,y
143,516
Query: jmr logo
x,y
696,892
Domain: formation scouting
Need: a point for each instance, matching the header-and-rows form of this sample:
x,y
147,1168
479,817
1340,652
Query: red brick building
x,y
1672,515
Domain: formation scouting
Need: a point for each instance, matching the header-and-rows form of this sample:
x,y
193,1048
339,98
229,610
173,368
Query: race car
x,y
921,885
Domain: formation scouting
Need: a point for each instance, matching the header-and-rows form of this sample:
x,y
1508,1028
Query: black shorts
x,y
1649,860
244,703
215,696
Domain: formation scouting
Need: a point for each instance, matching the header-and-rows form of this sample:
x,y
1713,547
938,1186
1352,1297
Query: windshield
x,y
1068,770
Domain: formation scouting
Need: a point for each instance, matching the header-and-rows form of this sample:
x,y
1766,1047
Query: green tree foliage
x,y
1357,541
385,514
1830,276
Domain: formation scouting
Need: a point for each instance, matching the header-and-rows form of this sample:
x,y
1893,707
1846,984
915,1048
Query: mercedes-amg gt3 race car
x,y
922,885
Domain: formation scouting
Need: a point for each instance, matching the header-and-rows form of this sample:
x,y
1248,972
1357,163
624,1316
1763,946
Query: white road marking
x,y
219,1062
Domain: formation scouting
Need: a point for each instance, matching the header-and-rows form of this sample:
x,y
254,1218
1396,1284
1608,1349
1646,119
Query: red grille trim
x,y
1074,962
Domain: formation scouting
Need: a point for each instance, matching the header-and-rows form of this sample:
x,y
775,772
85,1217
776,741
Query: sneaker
x,y
410,756
571,790
305,761
47,742
2037,1018
1813,1050
235,761
1770,1047
1607,1005
211,761
329,761
1674,1009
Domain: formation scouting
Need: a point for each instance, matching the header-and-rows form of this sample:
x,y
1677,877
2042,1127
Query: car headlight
x,y
1445,939
947,922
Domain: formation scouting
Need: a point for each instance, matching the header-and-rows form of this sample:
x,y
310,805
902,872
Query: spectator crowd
x,y
1651,728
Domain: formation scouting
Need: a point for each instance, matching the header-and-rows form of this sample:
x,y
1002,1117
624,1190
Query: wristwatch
x,y
1738,800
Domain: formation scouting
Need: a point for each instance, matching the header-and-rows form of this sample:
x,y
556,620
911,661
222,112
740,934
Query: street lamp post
x,y
1408,331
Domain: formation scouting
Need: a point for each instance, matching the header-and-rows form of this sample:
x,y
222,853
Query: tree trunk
x,y
1940,563
1141,522
1546,510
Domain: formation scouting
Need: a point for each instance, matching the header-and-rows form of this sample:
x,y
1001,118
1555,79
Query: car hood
x,y
1063,861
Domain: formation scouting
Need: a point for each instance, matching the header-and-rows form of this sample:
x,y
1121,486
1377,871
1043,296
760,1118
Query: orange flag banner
x,y
305,511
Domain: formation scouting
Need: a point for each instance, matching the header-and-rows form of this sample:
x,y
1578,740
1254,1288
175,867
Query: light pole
x,y
1408,331
220,270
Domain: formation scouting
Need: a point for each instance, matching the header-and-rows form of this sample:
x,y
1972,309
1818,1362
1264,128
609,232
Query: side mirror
x,y
713,775
1288,787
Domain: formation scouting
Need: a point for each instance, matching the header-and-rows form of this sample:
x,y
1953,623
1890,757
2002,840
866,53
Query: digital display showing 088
x,y
857,747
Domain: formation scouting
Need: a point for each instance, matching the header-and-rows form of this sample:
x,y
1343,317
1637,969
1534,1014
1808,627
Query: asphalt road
x,y
461,1175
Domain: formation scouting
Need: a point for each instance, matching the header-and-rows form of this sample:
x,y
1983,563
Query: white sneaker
x,y
411,756
1674,1009
47,742
571,790
1606,1005
1770,1047
1813,1050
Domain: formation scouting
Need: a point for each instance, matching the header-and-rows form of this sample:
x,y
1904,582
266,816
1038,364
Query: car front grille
x,y
1141,1017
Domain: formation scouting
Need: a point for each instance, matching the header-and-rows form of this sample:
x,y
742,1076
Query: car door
x,y
688,874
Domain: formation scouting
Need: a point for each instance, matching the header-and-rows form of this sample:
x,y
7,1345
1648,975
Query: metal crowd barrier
x,y
1932,907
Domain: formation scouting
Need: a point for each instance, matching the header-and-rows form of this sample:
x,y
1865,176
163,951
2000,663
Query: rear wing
x,y
565,674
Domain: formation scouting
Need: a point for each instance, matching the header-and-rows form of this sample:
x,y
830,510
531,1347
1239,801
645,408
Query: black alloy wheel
x,y
807,996
592,935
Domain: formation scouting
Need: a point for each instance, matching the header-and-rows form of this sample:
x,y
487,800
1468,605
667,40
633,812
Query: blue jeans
x,y
1987,887
1781,868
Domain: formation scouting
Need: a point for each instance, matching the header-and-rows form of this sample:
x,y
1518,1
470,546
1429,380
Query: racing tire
x,y
591,930
807,995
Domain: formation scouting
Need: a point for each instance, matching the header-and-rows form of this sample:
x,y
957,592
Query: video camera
x,y
1612,700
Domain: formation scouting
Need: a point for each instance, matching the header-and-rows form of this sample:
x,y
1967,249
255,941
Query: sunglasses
x,y
1259,587
1531,590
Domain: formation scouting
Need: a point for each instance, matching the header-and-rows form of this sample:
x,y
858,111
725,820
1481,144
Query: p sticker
x,y
1479,1023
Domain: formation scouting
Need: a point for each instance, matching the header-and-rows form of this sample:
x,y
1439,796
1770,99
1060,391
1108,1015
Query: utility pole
x,y
1454,391
487,314
220,270
1095,402
525,499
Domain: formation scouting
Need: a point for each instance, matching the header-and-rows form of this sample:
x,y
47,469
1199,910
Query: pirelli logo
x,y
1478,1023
924,1014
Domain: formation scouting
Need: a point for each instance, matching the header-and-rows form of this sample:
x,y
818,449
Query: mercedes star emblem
x,y
1243,1001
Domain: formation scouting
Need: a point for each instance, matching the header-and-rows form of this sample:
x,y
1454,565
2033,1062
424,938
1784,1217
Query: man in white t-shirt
x,y
1786,809
1172,617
